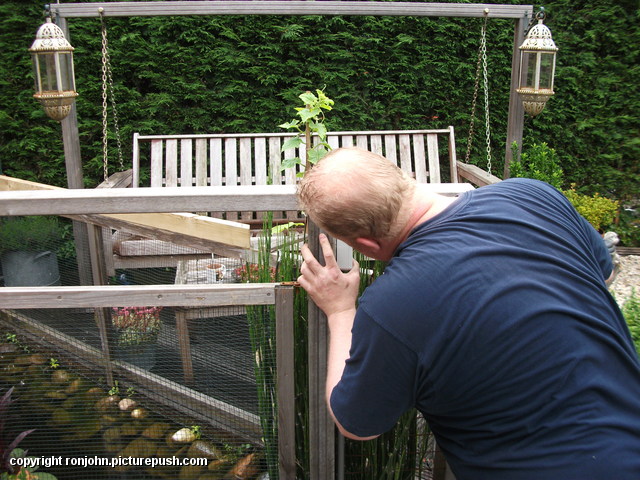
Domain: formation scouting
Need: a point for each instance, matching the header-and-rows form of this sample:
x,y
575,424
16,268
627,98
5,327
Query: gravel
x,y
628,278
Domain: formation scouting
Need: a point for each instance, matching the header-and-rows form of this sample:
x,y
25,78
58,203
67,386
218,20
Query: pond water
x,y
84,430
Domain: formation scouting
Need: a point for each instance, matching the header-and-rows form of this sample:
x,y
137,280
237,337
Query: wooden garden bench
x,y
255,159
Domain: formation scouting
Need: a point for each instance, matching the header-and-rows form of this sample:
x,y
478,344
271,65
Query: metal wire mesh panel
x,y
150,420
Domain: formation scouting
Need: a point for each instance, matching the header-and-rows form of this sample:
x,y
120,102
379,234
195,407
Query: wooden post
x,y
73,164
99,278
285,368
515,120
321,427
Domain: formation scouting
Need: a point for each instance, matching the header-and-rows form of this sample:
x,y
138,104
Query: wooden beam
x,y
162,199
215,7
138,295
56,201
182,228
476,175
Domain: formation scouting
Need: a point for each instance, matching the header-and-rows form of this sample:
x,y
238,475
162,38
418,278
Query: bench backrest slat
x,y
256,158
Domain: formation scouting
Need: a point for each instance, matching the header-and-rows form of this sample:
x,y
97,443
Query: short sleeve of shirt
x,y
380,367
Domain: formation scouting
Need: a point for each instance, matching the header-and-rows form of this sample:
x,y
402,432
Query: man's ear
x,y
368,246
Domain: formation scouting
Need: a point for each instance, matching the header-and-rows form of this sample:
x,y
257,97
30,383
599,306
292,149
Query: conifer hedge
x,y
243,74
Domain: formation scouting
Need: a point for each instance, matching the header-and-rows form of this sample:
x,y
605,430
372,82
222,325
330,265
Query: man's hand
x,y
333,291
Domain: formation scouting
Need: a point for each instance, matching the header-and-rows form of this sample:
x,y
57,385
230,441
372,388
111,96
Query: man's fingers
x,y
327,251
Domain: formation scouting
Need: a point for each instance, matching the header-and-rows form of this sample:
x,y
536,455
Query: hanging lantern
x,y
52,58
537,67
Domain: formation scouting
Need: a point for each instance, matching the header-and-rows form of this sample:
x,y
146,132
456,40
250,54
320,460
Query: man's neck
x,y
424,206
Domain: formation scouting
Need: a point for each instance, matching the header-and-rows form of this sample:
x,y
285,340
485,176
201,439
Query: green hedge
x,y
238,74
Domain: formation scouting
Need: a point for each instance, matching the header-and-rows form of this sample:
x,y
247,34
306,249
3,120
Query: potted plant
x,y
136,333
28,250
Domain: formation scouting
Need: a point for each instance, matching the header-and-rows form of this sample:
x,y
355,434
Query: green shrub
x,y
539,162
631,311
599,211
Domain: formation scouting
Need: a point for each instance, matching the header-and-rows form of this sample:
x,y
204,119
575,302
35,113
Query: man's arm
x,y
335,294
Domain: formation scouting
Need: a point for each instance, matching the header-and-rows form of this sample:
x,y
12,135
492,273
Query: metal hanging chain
x,y
481,66
107,79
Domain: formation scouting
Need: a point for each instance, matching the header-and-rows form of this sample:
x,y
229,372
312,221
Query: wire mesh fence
x,y
137,390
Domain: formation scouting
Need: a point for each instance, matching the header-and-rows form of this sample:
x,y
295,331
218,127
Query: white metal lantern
x,y
52,58
537,67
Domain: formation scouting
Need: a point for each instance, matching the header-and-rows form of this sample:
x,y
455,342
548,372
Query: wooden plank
x,y
217,7
171,163
230,161
285,371
245,161
290,173
21,197
404,148
184,343
136,160
148,138
333,141
121,179
260,160
186,162
134,247
194,230
201,296
390,148
275,160
346,140
453,171
215,161
423,175
476,175
434,158
362,141
376,144
189,225
156,162
201,163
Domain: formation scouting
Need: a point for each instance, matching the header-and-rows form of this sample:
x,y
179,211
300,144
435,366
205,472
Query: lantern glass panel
x,y
539,69
54,71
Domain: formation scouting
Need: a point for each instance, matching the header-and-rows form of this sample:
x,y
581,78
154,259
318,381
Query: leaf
x,y
308,98
290,162
291,124
293,142
307,114
316,154
321,130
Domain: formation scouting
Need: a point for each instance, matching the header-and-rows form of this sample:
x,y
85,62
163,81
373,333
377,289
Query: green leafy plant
x,y
115,389
599,211
32,233
309,125
631,312
540,162
53,363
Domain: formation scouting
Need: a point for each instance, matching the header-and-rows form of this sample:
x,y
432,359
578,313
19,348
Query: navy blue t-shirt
x,y
493,319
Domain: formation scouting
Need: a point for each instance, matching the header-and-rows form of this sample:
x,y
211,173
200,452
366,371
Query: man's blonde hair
x,y
355,193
